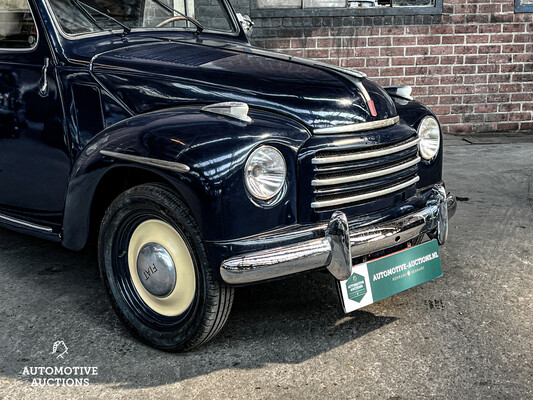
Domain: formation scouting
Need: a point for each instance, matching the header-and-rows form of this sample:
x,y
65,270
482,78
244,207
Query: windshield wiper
x,y
84,6
199,27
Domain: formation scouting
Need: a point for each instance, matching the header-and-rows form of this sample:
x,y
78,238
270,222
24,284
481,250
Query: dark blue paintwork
x,y
142,95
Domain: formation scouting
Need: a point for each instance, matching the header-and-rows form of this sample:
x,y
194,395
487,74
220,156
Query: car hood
x,y
166,74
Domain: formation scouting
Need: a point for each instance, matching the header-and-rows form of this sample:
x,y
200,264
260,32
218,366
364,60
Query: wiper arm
x,y
199,27
126,28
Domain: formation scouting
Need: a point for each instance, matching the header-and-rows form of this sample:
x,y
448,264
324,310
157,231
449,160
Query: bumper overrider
x,y
339,245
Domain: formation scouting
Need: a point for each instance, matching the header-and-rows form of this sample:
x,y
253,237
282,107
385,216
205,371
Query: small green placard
x,y
356,287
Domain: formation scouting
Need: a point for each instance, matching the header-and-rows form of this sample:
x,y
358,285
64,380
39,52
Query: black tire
x,y
210,300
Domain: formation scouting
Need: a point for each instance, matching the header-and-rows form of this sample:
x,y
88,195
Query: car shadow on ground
x,y
50,293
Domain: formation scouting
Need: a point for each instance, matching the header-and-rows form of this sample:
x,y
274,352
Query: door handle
x,y
43,88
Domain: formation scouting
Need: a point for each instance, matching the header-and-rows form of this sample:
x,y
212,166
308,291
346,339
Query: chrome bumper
x,y
339,245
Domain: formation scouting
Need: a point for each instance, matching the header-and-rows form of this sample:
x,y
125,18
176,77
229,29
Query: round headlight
x,y
429,134
265,172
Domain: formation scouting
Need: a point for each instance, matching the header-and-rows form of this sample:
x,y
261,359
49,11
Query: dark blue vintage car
x,y
200,163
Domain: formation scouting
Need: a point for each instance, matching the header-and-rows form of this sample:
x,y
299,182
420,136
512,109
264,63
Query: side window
x,y
17,28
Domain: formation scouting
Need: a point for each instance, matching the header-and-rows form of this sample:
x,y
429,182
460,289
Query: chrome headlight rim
x,y
429,154
252,191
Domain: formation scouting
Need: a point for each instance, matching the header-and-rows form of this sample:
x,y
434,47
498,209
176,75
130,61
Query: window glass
x,y
86,16
17,28
345,3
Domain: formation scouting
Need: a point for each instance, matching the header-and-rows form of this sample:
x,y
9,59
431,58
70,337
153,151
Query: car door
x,y
34,155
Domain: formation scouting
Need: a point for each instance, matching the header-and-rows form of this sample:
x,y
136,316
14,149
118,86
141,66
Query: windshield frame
x,y
227,7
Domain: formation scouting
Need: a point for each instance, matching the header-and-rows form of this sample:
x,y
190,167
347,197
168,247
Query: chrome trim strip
x,y
319,253
365,196
153,162
363,126
365,154
25,223
362,177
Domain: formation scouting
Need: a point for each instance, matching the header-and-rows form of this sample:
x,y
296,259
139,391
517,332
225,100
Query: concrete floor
x,y
466,335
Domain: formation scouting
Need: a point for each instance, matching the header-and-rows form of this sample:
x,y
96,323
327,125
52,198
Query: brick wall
x,y
473,65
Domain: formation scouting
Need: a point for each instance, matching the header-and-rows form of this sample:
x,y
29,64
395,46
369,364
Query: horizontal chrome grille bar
x,y
363,155
364,196
363,126
362,177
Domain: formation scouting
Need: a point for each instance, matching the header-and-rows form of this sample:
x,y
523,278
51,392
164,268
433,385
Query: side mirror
x,y
246,23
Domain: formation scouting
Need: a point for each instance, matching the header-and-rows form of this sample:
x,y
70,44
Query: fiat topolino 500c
x,y
199,162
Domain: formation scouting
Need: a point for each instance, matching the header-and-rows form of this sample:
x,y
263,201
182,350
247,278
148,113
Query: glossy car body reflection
x,y
68,102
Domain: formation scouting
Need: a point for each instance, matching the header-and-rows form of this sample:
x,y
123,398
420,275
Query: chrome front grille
x,y
349,176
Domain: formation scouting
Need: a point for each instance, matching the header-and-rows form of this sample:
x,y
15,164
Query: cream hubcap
x,y
161,268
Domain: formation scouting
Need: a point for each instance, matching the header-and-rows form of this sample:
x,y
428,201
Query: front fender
x,y
214,148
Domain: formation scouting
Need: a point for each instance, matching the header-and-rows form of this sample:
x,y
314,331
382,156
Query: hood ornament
x,y
232,109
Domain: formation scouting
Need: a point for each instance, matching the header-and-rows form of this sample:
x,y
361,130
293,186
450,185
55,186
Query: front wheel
x,y
156,271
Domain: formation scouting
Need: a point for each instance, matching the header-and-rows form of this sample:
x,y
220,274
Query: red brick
x,y
523,38
490,28
507,126
314,53
495,117
427,80
417,30
477,39
463,89
521,97
504,38
498,98
521,116
403,61
392,51
378,62
451,80
464,69
353,62
392,31
478,59
489,8
380,41
428,40
427,60
514,48
394,71
499,78
475,79
466,29
485,69
440,50
404,41
486,108
367,52
450,119
505,68
463,128
416,70
514,27
508,107
509,88
465,49
418,50
490,49
459,39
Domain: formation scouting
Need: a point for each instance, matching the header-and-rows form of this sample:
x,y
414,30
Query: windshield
x,y
88,16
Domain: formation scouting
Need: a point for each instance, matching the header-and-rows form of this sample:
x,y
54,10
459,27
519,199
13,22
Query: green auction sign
x,y
384,277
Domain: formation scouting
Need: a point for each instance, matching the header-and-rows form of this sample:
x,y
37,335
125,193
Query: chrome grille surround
x,y
358,183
